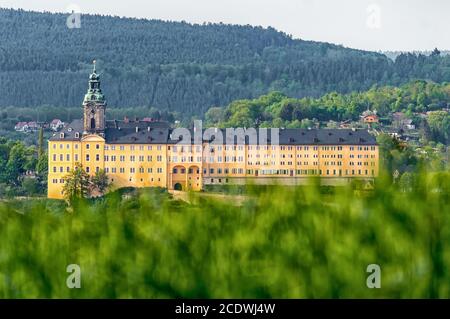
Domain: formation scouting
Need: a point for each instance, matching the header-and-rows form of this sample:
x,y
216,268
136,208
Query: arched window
x,y
92,123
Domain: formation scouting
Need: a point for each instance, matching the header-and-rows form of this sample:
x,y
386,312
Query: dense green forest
x,y
180,67
276,109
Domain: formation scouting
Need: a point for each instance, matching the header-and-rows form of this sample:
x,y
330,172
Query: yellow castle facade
x,y
152,154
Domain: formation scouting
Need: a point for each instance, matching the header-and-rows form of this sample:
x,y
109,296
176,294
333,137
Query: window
x,y
87,157
87,146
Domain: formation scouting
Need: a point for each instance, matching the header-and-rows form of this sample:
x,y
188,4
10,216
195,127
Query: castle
x,y
152,154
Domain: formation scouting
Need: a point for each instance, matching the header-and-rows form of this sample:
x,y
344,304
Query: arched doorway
x,y
178,187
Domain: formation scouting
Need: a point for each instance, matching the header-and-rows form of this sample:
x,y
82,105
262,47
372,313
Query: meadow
x,y
298,242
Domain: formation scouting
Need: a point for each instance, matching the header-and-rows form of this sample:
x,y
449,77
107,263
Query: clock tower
x,y
94,106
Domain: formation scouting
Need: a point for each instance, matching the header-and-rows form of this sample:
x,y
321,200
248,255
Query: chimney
x,y
137,129
126,120
148,128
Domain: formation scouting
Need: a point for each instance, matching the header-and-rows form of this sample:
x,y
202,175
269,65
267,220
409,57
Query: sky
x,y
377,25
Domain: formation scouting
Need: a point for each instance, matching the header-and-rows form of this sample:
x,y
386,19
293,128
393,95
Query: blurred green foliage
x,y
282,242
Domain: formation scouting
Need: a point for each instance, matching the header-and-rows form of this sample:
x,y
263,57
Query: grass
x,y
297,242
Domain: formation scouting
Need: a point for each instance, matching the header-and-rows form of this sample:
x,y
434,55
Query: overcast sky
x,y
366,24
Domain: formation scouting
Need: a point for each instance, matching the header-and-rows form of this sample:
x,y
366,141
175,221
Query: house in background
x,y
56,125
369,117
21,127
26,127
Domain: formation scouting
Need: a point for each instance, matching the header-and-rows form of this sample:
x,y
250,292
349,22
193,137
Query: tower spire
x,y
94,105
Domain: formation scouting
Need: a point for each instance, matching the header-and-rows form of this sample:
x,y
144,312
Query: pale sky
x,y
377,25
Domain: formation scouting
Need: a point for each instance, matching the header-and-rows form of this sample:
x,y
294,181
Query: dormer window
x,y
77,135
61,135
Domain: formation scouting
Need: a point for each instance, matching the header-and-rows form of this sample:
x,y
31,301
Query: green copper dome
x,y
94,93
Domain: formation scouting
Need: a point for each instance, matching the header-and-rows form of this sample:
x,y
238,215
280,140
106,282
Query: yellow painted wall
x,y
142,165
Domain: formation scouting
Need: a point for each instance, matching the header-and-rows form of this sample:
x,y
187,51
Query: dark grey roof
x,y
142,132
70,131
287,137
327,137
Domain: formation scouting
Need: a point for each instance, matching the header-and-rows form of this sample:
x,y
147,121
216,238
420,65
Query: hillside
x,y
180,67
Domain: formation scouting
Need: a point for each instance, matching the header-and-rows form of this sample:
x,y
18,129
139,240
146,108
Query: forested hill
x,y
178,66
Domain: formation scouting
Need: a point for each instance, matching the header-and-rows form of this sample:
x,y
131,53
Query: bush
x,y
293,242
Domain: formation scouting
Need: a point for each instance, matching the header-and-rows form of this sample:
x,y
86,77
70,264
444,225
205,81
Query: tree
x,y
215,115
286,111
41,143
100,182
16,163
439,122
30,186
406,182
76,184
